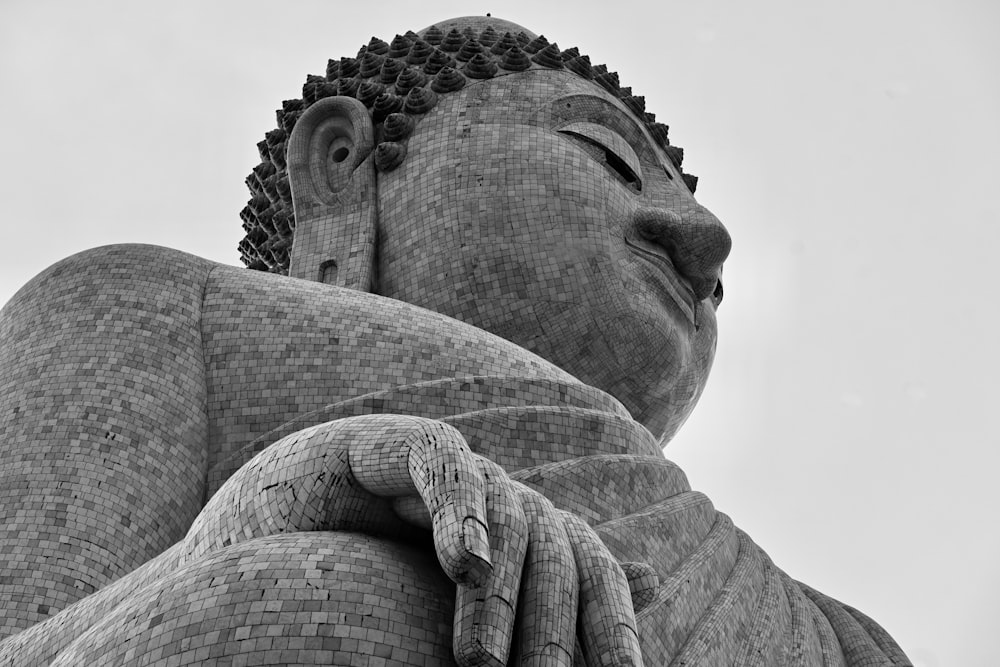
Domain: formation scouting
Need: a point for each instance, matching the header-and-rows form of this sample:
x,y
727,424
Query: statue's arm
x,y
102,423
508,549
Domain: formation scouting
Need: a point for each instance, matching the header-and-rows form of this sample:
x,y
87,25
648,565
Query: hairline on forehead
x,y
613,113
399,83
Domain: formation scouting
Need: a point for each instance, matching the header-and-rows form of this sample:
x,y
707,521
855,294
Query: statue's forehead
x,y
537,97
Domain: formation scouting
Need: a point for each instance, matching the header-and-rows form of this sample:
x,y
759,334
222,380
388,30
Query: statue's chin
x,y
341,594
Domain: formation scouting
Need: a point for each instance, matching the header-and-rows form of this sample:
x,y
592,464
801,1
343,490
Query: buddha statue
x,y
425,427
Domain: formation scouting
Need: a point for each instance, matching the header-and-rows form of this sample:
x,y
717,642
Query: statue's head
x,y
478,171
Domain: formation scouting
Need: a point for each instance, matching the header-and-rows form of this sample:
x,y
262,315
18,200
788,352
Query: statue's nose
x,y
696,241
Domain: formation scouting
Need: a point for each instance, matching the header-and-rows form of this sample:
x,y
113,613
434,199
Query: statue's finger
x,y
413,510
607,621
399,455
302,482
547,614
485,615
643,584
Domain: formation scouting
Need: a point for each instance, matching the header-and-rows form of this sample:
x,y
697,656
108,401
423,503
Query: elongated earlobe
x,y
331,169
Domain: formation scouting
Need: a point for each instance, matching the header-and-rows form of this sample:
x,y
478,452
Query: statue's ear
x,y
331,170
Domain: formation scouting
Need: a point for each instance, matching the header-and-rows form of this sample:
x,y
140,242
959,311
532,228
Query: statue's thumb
x,y
643,584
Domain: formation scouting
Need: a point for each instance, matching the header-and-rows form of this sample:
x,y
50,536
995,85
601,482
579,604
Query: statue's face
x,y
537,207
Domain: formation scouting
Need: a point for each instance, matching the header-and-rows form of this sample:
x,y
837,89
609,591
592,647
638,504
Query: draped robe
x,y
243,360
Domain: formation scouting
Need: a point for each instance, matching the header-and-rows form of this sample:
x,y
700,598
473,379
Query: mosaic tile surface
x,y
443,447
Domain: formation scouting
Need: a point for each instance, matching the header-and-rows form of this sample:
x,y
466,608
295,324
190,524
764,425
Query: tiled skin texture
x,y
210,465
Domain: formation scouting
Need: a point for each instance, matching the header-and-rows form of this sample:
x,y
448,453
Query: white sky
x,y
849,146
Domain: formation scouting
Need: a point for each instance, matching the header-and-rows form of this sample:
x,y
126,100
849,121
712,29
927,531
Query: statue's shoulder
x,y
124,261
143,270
408,342
147,276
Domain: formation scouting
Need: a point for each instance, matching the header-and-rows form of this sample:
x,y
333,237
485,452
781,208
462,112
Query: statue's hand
x,y
496,538
549,573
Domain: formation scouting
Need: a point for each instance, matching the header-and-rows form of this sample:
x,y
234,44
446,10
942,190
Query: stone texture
x,y
442,447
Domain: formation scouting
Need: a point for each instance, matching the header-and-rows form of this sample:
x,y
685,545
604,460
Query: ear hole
x,y
338,165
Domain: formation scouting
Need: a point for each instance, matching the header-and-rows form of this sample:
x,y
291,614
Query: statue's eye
x,y
717,294
609,149
608,157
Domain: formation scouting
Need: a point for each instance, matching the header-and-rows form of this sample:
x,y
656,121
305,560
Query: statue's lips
x,y
678,289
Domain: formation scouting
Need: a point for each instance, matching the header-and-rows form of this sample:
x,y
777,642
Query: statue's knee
x,y
346,594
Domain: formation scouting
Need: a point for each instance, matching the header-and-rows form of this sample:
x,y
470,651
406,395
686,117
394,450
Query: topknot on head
x,y
399,82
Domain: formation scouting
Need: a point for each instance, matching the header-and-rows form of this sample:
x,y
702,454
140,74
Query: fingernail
x,y
476,540
472,652
627,653
551,654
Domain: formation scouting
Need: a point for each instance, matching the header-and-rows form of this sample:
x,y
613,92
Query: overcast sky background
x,y
851,147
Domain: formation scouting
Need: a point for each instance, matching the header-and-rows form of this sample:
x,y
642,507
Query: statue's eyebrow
x,y
599,111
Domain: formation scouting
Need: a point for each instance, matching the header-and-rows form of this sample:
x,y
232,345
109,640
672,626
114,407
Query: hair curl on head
x,y
399,82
